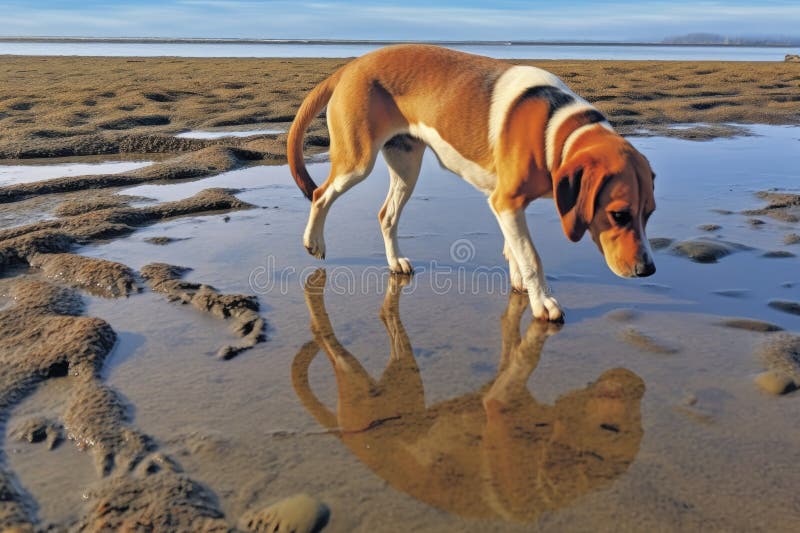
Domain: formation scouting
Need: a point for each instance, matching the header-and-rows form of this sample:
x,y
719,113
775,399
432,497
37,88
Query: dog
x,y
494,453
516,133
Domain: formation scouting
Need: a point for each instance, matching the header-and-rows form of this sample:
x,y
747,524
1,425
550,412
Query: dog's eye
x,y
621,218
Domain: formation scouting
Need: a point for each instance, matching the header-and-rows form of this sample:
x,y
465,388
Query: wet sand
x,y
53,106
663,404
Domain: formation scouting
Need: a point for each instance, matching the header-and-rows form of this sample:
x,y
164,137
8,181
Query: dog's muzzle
x,y
642,270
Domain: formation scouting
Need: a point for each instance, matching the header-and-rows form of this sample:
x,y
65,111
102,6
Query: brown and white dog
x,y
517,133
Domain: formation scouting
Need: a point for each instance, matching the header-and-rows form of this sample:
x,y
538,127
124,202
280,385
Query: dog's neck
x,y
563,137
605,144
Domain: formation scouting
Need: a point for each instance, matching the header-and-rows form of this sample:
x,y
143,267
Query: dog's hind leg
x,y
403,156
346,171
324,196
361,118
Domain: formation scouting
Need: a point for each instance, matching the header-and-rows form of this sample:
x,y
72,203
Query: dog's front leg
x,y
518,240
513,270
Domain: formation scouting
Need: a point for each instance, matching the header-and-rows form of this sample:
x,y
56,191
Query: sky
x,y
604,20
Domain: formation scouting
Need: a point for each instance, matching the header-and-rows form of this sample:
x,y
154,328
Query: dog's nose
x,y
645,269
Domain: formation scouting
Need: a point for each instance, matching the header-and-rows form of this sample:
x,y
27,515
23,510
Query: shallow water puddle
x,y
639,413
224,134
40,170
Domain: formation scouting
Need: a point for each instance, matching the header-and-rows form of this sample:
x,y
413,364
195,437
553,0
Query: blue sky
x,y
410,19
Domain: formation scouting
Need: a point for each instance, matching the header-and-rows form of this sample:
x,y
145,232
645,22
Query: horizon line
x,y
488,42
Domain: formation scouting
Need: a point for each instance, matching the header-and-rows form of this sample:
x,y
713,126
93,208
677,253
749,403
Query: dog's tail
x,y
310,108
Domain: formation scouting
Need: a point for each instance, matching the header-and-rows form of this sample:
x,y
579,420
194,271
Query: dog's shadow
x,y
493,453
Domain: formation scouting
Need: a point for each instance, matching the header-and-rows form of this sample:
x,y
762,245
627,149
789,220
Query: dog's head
x,y
606,187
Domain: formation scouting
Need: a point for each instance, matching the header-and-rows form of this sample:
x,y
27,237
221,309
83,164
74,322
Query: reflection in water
x,y
493,453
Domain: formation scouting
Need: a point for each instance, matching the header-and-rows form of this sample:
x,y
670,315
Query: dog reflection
x,y
494,453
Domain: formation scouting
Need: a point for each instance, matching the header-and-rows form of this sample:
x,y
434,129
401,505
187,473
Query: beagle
x,y
517,133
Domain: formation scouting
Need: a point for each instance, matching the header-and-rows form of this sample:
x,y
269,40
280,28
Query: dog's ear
x,y
575,195
567,196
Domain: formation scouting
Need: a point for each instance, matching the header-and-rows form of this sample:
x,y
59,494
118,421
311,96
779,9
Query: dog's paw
x,y
546,308
315,247
401,265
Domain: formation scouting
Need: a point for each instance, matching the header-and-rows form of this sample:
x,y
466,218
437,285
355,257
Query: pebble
x,y
659,243
791,238
778,254
732,293
775,382
786,306
702,251
709,227
750,325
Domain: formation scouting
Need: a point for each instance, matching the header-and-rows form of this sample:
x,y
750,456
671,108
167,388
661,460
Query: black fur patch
x,y
555,97
591,116
401,142
567,191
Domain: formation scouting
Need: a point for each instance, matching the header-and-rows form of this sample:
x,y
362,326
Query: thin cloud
x,y
413,19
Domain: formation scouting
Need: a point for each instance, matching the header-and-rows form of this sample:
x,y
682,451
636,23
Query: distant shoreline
x,y
335,42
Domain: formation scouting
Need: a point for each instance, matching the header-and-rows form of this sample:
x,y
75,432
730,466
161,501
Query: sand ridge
x,y
53,106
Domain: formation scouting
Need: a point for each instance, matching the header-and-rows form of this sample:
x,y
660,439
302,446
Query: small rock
x,y
755,221
659,243
703,251
162,240
300,513
732,293
791,238
778,254
781,353
786,306
792,58
709,227
775,382
750,325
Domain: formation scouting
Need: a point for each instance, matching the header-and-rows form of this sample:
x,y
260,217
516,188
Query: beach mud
x,y
240,309
449,435
783,206
107,278
19,244
44,336
80,106
205,162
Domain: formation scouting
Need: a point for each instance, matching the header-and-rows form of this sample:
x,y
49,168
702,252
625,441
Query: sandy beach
x,y
156,376
85,106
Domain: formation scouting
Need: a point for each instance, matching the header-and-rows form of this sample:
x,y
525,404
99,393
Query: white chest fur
x,y
471,171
